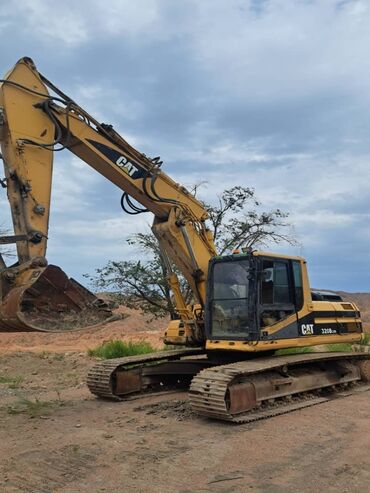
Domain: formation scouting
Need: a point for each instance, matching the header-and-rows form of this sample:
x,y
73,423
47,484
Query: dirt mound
x,y
134,326
180,409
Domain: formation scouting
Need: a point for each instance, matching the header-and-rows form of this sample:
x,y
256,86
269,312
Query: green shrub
x,y
119,349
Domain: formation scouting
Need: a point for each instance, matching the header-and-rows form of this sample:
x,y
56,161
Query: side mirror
x,y
267,275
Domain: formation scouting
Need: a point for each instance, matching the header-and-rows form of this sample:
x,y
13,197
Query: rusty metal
x,y
42,298
295,404
239,393
162,375
108,379
217,392
242,398
128,382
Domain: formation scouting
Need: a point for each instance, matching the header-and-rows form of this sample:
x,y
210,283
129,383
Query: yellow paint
x,y
255,346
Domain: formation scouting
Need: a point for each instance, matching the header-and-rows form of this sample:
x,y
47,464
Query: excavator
x,y
246,305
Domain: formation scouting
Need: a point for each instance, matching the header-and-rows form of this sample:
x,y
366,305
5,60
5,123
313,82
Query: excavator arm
x,y
33,125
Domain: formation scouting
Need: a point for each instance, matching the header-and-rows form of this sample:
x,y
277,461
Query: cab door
x,y
277,313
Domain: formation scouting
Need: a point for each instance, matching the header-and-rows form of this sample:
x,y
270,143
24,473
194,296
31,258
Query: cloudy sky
x,y
270,94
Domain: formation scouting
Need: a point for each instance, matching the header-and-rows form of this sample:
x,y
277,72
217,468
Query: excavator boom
x,y
35,124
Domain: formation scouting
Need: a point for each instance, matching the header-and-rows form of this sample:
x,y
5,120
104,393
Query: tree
x,y
235,227
236,223
139,284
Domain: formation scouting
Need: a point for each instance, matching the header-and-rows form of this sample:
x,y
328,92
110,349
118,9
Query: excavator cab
x,y
251,294
230,294
260,302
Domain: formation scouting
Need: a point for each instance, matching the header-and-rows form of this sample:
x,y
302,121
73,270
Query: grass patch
x,y
341,347
366,339
294,350
53,356
120,349
34,408
12,382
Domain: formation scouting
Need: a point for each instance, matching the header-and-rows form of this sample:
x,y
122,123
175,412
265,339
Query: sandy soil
x,y
134,326
57,438
71,442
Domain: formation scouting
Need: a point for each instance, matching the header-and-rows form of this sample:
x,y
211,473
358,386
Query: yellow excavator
x,y
246,305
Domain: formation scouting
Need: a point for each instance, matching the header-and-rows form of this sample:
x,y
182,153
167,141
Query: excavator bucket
x,y
44,299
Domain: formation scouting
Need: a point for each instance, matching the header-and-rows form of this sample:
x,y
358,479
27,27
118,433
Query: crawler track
x,y
103,378
240,392
251,390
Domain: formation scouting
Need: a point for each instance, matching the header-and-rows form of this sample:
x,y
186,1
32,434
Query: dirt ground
x,y
134,327
56,437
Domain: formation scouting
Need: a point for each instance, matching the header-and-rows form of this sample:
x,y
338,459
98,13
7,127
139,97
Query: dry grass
x,y
33,408
12,382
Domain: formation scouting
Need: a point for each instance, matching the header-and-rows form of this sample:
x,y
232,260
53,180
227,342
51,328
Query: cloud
x,y
75,23
279,52
93,97
67,24
268,94
126,18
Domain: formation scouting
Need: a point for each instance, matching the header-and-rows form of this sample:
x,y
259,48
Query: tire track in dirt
x,y
45,471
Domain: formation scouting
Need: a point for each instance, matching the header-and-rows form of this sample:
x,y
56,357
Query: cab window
x,y
275,283
276,297
298,285
229,306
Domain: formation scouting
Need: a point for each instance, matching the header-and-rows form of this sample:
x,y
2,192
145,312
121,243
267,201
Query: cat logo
x,y
126,165
307,329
